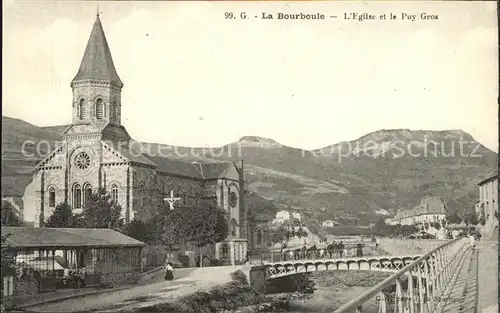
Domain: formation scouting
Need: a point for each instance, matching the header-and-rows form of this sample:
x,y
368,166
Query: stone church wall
x,y
189,190
144,199
116,174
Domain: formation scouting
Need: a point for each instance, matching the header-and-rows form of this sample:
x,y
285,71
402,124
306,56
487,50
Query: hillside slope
x,y
347,181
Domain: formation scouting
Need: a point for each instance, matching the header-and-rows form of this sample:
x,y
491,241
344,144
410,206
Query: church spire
x,y
97,63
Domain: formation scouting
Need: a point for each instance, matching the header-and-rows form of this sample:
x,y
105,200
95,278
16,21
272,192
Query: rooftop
x,y
428,205
490,178
97,63
30,237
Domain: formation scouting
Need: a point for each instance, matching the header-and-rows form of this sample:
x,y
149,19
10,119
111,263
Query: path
x,y
146,295
478,275
462,296
488,276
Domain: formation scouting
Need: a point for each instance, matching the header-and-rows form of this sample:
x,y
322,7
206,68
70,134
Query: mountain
x,y
351,182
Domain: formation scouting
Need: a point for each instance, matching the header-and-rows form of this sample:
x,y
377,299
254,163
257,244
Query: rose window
x,y
82,161
232,199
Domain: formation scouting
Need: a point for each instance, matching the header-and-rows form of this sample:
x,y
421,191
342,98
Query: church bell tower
x,y
96,86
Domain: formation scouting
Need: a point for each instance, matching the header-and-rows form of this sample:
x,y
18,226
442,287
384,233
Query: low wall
x,y
287,284
116,279
410,246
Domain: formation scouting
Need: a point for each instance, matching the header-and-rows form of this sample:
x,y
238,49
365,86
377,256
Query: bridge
x,y
443,278
372,263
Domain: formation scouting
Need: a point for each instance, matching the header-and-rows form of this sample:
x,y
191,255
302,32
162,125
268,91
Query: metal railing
x,y
420,287
272,256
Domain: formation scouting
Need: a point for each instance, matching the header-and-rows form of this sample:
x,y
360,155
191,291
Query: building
x,y
259,235
430,210
286,217
487,207
296,216
97,152
47,259
282,217
329,223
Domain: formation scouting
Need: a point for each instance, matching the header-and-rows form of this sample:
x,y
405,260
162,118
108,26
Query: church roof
x,y
21,237
176,167
215,170
97,63
131,153
194,170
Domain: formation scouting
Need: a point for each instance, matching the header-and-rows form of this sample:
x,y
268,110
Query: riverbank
x,y
333,289
319,292
306,292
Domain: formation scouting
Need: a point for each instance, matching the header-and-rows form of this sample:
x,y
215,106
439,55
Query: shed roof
x,y
30,237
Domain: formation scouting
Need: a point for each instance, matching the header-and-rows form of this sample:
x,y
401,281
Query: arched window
x,y
232,228
52,197
87,192
77,197
114,193
224,249
81,109
259,236
99,109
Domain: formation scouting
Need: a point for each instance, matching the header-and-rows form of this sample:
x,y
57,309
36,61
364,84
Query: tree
x,y
300,232
443,222
7,255
381,228
278,234
453,218
173,227
62,217
471,218
482,220
99,211
142,231
205,224
10,216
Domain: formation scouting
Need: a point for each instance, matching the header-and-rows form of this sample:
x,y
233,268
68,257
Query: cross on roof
x,y
171,200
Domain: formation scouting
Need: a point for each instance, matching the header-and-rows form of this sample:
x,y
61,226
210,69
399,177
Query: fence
x,y
420,286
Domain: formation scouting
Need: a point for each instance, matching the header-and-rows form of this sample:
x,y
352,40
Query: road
x,y
488,276
186,282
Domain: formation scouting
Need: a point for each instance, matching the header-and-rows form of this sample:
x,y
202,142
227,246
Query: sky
x,y
193,78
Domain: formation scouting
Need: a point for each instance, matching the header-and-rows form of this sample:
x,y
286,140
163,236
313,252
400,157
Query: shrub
x,y
240,277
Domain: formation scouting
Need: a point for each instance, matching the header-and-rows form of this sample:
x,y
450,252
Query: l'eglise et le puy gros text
x,y
389,16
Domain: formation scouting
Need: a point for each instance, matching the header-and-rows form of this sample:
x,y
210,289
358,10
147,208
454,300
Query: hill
x,y
349,181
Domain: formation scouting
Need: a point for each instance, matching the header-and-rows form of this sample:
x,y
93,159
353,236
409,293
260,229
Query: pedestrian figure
x,y
341,248
169,271
359,250
345,251
377,243
472,241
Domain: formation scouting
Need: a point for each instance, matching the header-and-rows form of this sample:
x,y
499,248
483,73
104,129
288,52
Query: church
x,y
97,152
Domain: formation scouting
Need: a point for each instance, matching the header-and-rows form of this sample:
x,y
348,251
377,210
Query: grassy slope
x,y
309,181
